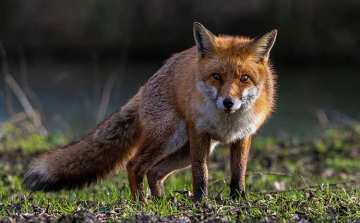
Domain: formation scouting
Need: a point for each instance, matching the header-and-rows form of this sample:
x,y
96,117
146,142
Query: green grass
x,y
287,180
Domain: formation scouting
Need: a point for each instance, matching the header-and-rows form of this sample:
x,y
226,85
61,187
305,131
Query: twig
x,y
69,133
322,117
344,182
338,117
269,173
283,191
28,197
254,174
25,85
307,187
4,61
33,115
96,83
220,192
17,118
110,84
121,190
5,71
23,69
218,180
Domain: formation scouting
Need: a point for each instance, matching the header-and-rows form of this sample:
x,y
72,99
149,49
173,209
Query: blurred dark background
x,y
77,61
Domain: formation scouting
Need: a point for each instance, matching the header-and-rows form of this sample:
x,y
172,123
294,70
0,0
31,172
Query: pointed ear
x,y
205,41
262,46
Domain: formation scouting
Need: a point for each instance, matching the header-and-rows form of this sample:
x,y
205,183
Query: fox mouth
x,y
229,111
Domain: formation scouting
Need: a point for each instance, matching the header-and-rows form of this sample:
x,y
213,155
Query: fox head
x,y
232,71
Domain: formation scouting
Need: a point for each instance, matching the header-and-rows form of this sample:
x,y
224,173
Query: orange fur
x,y
176,120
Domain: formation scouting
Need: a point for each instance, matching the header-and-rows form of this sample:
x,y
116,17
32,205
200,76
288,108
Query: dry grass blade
x,y
106,96
33,115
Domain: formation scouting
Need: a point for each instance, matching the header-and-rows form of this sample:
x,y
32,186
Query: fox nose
x,y
228,103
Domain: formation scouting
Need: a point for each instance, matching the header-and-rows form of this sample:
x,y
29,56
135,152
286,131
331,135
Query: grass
x,y
288,180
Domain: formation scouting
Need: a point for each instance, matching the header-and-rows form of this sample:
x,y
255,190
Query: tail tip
x,y
38,178
33,182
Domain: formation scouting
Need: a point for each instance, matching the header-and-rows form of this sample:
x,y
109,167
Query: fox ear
x,y
205,41
262,46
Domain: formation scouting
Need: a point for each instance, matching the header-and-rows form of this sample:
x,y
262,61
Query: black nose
x,y
228,103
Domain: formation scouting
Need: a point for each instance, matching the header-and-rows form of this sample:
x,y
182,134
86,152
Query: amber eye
x,y
244,78
216,76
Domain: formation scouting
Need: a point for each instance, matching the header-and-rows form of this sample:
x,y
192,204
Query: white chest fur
x,y
228,127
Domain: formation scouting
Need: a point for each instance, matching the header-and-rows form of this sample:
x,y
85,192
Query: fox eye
x,y
244,78
216,76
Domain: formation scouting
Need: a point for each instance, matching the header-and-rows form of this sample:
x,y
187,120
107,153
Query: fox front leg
x,y
239,156
199,155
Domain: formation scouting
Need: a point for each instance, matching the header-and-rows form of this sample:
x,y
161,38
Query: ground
x,y
288,180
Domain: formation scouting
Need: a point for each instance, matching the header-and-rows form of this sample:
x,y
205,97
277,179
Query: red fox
x,y
219,91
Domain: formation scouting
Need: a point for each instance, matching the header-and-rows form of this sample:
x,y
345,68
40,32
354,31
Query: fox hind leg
x,y
165,167
146,157
158,143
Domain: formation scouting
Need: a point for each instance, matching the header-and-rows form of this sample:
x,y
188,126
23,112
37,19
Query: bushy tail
x,y
101,153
